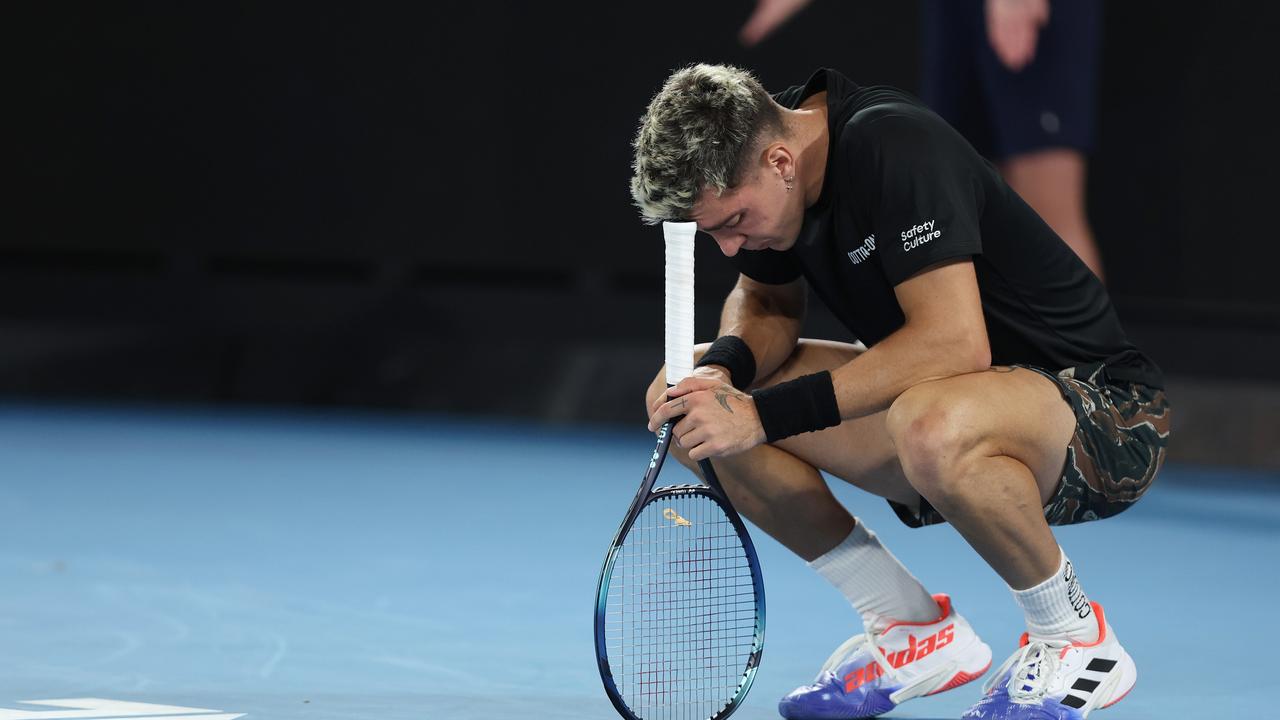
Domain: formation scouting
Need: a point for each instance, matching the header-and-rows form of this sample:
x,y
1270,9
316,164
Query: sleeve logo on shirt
x,y
863,252
919,235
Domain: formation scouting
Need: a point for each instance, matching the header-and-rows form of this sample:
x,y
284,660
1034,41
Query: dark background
x,y
425,205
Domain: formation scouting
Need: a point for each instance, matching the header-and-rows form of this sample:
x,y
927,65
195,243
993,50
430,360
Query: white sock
x,y
873,580
1057,608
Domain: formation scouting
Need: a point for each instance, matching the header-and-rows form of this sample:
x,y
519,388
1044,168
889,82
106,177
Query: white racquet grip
x,y
679,319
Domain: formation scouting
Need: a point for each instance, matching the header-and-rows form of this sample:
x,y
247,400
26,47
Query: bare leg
x,y
987,449
1053,184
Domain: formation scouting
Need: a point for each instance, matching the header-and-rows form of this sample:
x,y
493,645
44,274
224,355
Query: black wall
x,y
426,205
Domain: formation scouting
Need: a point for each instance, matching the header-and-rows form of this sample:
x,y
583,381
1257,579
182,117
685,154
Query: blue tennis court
x,y
265,564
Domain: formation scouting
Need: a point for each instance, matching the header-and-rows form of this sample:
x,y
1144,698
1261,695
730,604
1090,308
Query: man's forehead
x,y
709,208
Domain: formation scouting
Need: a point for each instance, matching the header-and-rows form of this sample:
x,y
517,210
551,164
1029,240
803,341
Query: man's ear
x,y
778,158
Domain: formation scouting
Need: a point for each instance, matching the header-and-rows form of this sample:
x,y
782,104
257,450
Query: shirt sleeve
x,y
924,189
767,266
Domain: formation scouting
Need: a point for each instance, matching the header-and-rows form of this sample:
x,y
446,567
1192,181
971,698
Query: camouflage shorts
x,y
1122,430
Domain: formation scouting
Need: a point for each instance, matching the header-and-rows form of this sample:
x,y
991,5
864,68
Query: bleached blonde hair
x,y
699,132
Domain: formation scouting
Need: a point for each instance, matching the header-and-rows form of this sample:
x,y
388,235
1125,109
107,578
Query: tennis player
x,y
993,387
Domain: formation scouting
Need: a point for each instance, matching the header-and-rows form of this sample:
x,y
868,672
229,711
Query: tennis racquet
x,y
679,620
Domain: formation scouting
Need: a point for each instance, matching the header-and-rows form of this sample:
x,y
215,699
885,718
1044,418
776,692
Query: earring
x,y
790,183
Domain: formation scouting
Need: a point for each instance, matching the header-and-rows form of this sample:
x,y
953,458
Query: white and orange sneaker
x,y
1046,680
873,673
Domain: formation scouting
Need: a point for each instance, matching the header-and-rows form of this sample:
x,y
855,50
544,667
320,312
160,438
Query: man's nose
x,y
730,244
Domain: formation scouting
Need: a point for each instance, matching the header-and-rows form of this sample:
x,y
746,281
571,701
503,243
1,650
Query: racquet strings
x,y
680,620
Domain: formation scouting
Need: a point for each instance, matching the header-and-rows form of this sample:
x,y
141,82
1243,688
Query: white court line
x,y
101,709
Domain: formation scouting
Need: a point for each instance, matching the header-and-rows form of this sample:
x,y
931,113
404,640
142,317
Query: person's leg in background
x,y
1034,118
1044,118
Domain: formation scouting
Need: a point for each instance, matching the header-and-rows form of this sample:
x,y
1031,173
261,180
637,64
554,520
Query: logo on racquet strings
x,y
674,516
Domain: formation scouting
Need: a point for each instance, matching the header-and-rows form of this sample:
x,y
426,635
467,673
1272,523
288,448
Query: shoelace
x,y
1033,666
868,640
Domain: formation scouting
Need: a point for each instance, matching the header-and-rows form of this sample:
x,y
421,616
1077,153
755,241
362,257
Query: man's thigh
x,y
1014,412
1003,411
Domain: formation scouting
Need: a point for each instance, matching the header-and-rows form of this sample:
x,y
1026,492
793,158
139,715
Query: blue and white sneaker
x,y
873,673
1046,680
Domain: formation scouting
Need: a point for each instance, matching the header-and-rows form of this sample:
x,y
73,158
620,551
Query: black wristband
x,y
731,352
797,406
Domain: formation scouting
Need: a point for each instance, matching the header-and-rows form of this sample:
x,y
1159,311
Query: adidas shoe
x,y
873,673
1056,681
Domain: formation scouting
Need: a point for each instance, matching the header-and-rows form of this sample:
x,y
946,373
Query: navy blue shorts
x,y
1048,104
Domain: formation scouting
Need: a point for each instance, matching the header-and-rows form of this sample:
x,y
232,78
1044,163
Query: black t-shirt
x,y
904,191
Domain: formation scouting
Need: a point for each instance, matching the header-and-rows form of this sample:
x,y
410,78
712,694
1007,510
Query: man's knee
x,y
934,433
